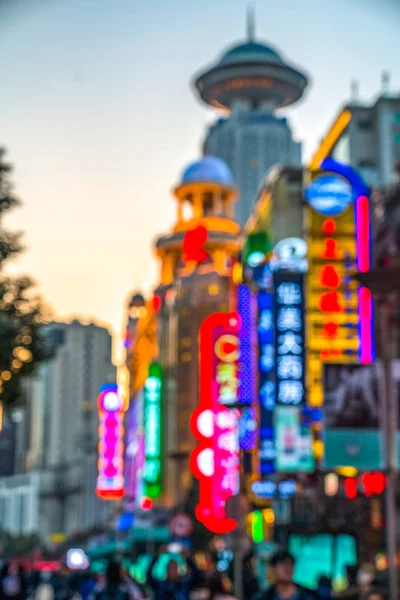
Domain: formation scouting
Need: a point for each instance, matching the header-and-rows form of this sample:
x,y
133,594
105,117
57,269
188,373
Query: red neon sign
x,y
193,243
215,461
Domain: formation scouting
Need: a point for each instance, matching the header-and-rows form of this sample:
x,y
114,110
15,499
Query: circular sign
x,y
291,248
181,525
329,195
227,348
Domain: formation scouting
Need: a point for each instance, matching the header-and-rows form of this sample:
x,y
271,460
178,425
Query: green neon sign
x,y
153,394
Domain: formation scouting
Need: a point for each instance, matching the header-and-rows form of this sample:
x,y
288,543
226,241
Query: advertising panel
x,y
293,441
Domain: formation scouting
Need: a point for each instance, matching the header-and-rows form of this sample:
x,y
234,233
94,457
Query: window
x,y
365,124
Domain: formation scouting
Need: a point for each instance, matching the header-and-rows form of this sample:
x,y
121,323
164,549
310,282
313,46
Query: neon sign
x,y
289,339
193,244
215,461
152,395
329,194
247,367
110,481
266,368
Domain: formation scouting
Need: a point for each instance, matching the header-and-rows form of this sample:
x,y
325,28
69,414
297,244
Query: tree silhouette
x,y
22,312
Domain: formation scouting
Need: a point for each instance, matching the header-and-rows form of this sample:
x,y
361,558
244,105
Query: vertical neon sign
x,y
266,351
152,396
215,461
289,338
110,481
247,367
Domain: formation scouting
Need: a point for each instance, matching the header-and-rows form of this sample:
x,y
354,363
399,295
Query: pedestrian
x,y
284,588
324,588
44,590
114,588
219,586
11,586
374,594
179,582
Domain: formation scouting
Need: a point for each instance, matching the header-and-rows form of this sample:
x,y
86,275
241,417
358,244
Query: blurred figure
x,y
87,585
44,589
136,590
219,586
12,585
363,583
250,582
175,586
374,594
61,585
284,588
324,589
115,588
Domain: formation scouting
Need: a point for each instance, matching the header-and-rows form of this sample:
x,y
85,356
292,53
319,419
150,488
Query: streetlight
x,y
383,283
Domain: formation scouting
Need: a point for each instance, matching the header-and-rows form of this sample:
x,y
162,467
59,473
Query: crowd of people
x,y
182,580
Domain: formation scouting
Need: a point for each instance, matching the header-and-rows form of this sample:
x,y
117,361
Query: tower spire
x,y
251,23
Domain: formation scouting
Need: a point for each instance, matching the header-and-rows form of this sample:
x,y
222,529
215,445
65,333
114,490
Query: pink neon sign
x,y
110,481
215,461
364,295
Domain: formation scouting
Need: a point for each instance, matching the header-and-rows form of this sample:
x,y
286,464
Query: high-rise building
x,y
249,83
367,137
55,482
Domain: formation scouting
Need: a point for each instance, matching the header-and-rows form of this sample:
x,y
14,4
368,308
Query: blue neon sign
x,y
289,338
266,352
329,194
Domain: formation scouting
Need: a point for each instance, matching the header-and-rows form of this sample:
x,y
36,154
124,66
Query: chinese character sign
x,y
266,369
153,392
289,338
215,460
110,481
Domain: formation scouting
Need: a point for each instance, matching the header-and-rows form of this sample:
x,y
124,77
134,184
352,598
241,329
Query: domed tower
x,y
248,83
196,260
205,236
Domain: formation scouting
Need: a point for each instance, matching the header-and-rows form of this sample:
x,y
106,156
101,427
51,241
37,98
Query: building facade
x,y
249,83
56,479
367,137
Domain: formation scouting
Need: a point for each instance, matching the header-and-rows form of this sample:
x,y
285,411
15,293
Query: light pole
x,y
384,283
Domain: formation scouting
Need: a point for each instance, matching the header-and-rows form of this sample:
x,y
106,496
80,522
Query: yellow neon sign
x,y
330,139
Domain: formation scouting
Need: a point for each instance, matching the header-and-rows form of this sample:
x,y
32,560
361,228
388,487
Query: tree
x,y
22,312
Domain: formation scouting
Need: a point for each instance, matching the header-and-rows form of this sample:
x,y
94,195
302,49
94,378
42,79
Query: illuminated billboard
x,y
339,310
215,460
152,399
110,480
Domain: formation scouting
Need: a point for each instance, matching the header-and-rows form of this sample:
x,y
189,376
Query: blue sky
x,y
99,118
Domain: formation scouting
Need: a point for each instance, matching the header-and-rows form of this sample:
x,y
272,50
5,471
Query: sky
x,y
99,117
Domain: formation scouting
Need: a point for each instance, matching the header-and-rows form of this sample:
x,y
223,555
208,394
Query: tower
x,y
248,83
196,260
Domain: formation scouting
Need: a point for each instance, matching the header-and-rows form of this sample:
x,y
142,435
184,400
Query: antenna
x,y
354,90
385,83
251,23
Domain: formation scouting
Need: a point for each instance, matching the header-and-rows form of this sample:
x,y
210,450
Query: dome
x,y
208,169
250,51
